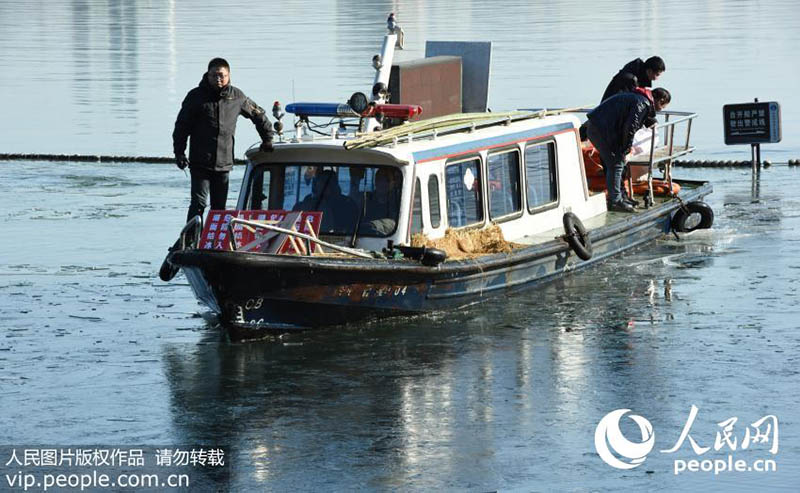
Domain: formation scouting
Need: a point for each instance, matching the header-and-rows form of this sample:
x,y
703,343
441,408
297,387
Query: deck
x,y
661,154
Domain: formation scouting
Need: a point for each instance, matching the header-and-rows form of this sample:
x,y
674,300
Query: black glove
x,y
266,146
180,161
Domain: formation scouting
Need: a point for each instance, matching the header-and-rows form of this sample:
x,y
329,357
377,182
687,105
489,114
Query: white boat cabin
x,y
522,175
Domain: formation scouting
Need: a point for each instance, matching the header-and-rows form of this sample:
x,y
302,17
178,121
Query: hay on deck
x,y
462,244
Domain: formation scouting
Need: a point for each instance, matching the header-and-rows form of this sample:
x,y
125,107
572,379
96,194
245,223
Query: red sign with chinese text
x,y
216,233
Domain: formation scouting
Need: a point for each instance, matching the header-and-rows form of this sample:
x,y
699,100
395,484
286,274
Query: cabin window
x,y
416,212
504,184
433,201
540,172
259,191
463,186
367,196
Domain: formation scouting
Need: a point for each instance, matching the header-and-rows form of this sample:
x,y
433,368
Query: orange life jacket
x,y
596,178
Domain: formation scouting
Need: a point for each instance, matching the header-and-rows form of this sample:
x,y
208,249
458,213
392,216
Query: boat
x,y
354,224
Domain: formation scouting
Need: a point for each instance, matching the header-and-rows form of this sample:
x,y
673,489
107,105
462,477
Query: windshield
x,y
346,195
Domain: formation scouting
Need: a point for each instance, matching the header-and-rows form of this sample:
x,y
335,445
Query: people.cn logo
x,y
614,448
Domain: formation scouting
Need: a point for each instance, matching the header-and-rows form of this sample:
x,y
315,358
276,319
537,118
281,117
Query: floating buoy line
x,y
719,163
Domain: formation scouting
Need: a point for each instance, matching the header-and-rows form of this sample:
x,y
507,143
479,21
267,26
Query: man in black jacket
x,y
208,119
636,73
611,126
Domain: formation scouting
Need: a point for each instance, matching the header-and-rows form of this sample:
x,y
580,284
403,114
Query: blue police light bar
x,y
320,109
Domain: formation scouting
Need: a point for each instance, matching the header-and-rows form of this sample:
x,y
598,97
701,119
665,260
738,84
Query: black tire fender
x,y
189,238
167,270
680,220
576,236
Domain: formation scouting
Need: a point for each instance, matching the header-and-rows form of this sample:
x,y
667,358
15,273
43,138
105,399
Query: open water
x,y
95,350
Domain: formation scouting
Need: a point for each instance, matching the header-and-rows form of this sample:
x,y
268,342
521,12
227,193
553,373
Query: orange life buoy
x,y
660,187
596,178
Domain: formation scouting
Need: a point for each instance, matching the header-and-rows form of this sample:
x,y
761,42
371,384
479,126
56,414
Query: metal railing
x,y
669,144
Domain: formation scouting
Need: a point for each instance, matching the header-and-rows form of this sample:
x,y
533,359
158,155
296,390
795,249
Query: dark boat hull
x,y
258,294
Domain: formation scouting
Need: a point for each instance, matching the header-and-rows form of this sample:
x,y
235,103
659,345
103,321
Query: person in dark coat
x,y
636,73
207,118
610,128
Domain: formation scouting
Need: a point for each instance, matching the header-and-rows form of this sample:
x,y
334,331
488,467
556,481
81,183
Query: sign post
x,y
755,124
